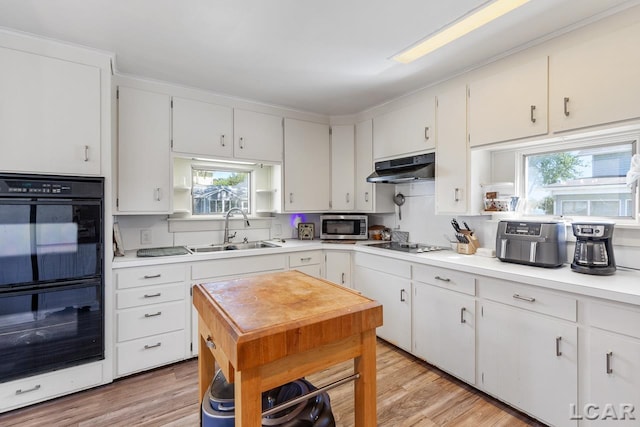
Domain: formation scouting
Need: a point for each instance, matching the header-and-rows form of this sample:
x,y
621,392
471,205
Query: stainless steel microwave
x,y
344,227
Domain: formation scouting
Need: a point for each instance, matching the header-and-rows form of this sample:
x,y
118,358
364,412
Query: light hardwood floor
x,y
410,393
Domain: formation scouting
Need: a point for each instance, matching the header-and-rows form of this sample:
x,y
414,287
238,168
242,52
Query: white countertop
x,y
623,286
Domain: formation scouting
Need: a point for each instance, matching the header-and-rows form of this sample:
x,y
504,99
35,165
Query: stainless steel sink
x,y
233,247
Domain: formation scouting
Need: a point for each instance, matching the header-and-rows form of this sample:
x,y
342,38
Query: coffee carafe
x,y
594,248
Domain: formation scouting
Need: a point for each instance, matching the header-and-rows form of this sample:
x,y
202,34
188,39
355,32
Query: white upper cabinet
x,y
509,104
307,166
257,136
596,81
202,128
452,152
50,114
342,167
144,167
407,130
369,197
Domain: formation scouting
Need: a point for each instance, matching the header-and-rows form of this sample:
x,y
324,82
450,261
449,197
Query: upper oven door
x,y
45,241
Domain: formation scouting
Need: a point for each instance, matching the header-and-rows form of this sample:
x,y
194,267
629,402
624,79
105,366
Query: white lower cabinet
x,y
612,386
151,317
27,391
444,321
389,282
527,359
338,267
308,262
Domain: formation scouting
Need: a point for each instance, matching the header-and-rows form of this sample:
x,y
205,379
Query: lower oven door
x,y
50,328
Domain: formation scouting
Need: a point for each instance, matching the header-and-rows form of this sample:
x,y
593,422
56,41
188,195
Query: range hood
x,y
406,169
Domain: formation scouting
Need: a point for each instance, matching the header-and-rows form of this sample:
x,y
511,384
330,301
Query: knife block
x,y
471,247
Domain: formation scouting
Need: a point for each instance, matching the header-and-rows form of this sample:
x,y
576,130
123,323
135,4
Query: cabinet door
x,y
50,115
307,166
592,83
614,376
338,267
407,130
452,152
509,105
257,136
444,330
395,295
369,197
342,167
529,361
202,128
144,182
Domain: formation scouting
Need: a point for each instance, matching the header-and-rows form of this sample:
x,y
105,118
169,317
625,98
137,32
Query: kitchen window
x,y
215,190
585,178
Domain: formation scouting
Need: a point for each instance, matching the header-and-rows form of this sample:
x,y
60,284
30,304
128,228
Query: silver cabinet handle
x,y
152,295
566,106
242,143
158,193
222,140
152,276
210,343
520,297
34,388
558,352
444,279
402,292
86,153
456,194
147,347
290,197
342,280
366,196
533,119
305,259
426,133
609,368
153,315
347,198
462,319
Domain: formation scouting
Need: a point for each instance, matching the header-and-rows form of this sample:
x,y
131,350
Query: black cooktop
x,y
408,247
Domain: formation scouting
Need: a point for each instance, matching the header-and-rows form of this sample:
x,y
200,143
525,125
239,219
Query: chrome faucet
x,y
226,224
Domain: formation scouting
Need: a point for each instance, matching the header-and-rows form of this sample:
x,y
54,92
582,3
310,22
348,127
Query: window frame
x,y
594,140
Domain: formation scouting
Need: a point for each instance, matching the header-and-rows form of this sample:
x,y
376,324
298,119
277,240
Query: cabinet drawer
x,y
149,352
237,266
528,297
445,278
150,295
300,259
383,264
152,275
30,390
150,320
616,318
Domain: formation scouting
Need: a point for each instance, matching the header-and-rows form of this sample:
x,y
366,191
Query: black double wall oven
x,y
51,273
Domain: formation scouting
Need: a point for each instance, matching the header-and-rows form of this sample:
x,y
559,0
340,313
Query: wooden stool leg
x,y
365,386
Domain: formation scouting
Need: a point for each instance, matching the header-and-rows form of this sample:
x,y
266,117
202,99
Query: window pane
x,y
581,181
217,191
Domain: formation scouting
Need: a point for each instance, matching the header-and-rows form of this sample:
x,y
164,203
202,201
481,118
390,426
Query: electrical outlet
x,y
145,237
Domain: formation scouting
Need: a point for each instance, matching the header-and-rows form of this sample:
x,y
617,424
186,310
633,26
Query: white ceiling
x,y
327,56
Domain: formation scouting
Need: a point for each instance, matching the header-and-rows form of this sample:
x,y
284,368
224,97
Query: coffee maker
x,y
594,250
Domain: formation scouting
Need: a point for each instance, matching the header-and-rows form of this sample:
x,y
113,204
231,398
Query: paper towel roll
x,y
634,170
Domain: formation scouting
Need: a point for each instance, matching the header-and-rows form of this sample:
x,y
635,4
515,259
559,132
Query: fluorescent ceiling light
x,y
476,20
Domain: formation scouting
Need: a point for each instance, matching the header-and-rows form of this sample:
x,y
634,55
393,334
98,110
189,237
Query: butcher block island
x,y
267,330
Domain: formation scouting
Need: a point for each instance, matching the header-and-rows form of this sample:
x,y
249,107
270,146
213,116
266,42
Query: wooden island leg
x,y
248,398
365,386
206,362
